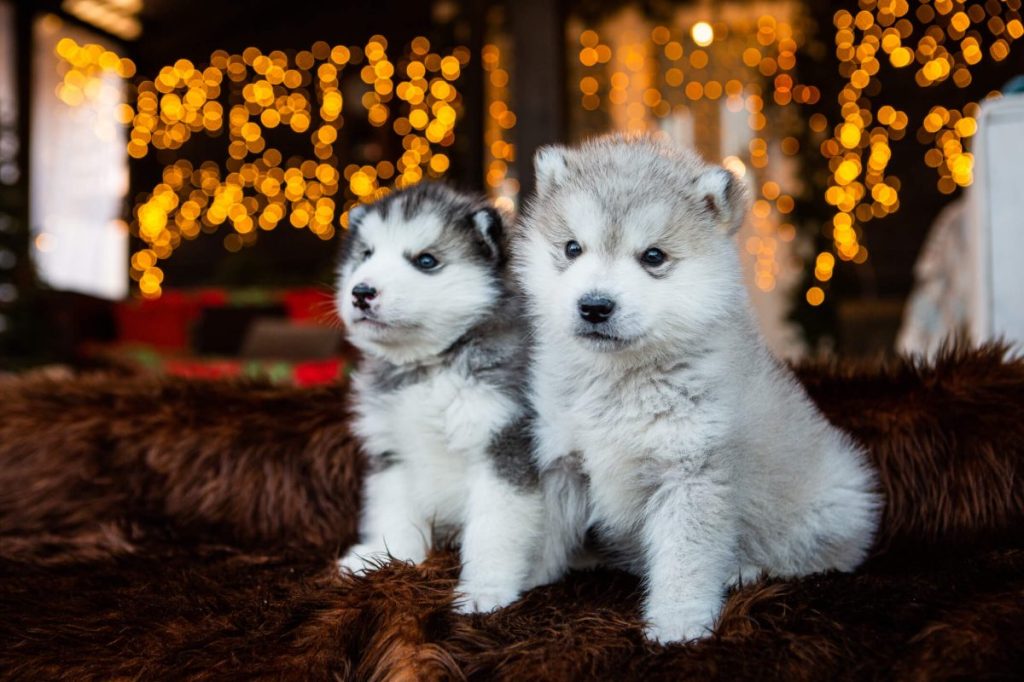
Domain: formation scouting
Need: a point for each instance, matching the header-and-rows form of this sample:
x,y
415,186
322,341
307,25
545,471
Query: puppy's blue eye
x,y
573,249
653,256
425,261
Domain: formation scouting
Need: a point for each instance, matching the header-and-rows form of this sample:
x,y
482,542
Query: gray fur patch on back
x,y
511,451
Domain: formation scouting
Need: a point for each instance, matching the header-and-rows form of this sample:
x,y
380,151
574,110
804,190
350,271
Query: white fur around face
x,y
415,314
652,313
695,454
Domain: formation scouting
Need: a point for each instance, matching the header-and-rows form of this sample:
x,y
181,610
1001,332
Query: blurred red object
x,y
317,372
203,369
211,298
164,322
310,305
167,323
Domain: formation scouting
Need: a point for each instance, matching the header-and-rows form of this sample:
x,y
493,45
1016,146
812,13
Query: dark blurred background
x,y
175,174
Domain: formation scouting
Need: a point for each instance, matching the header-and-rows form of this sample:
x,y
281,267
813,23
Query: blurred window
x,y
79,164
9,172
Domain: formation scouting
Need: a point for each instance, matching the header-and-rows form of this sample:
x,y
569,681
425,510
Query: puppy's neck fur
x,y
473,349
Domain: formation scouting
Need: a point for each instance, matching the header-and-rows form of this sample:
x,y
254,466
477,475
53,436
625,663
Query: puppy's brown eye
x,y
653,257
573,249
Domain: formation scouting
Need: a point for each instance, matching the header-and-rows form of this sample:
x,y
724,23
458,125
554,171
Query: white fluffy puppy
x,y
437,397
663,423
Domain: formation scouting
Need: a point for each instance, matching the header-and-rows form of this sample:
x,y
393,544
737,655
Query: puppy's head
x,y
627,244
418,269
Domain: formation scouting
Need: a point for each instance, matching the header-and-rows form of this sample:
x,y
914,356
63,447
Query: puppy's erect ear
x,y
550,167
356,215
725,197
351,238
488,225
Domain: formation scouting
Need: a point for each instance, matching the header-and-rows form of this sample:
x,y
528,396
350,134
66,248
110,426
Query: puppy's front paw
x,y
667,626
483,598
362,558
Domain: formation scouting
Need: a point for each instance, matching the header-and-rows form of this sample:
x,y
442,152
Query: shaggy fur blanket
x,y
154,529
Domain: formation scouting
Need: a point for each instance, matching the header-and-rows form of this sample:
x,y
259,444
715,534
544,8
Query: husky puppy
x,y
437,397
663,424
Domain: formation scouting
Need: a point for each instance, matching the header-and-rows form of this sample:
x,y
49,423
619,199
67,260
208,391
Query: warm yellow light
x,y
702,33
847,172
960,21
250,132
450,68
901,56
849,135
932,122
361,184
418,118
439,163
149,286
815,296
152,220
966,126
327,134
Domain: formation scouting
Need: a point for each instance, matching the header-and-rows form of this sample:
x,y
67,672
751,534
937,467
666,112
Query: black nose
x,y
362,294
596,309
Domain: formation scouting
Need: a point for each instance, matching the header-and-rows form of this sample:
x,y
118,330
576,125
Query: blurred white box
x,y
996,222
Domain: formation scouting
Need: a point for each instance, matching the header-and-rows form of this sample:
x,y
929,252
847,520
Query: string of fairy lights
x,y
638,81
946,41
256,189
743,65
499,150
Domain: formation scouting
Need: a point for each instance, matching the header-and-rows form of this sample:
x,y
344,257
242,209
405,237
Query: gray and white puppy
x,y
437,397
662,421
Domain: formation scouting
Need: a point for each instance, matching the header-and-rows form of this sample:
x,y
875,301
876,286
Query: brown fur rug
x,y
169,528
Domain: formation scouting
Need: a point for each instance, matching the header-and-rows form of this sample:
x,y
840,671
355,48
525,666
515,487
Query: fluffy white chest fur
x,y
435,429
630,428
